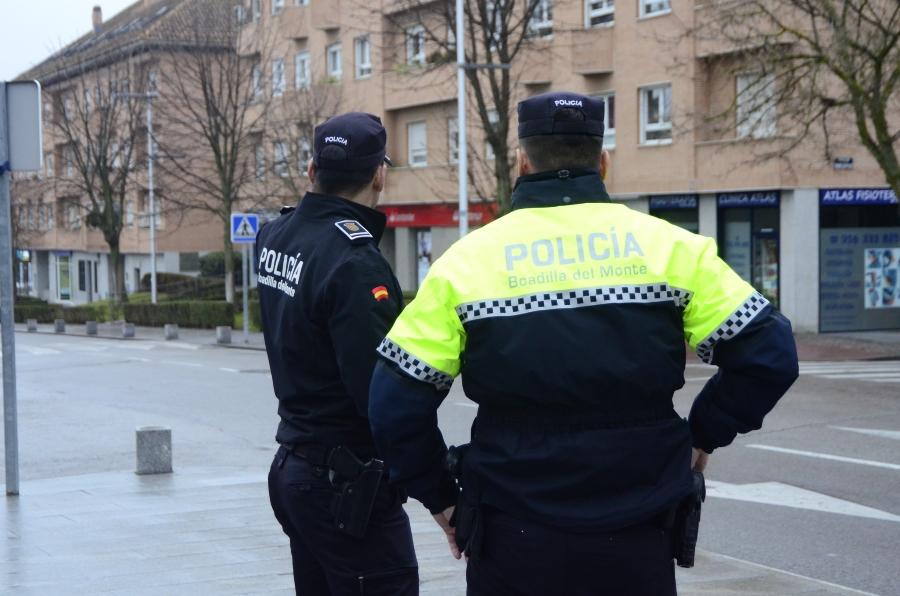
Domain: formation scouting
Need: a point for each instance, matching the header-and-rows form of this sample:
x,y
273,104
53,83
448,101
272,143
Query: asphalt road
x,y
803,494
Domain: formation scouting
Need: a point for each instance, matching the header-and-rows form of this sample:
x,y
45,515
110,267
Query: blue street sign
x,y
244,227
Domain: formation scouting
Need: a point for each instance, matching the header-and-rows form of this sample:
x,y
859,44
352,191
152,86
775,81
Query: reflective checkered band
x,y
732,325
509,307
413,366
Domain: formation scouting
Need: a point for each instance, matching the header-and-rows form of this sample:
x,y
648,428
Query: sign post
x,y
20,151
244,227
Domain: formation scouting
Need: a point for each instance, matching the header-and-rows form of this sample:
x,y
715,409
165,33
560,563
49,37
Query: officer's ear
x,y
603,166
311,171
380,177
524,163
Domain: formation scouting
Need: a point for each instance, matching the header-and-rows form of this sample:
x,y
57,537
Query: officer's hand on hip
x,y
699,459
443,520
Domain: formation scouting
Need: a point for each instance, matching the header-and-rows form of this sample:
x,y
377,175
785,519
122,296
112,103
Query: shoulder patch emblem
x,y
352,229
380,293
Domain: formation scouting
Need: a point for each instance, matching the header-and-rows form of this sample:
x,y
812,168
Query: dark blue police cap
x,y
361,135
536,115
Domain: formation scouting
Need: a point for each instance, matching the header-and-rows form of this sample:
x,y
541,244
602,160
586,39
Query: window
x,y
51,221
656,115
63,279
756,106
541,24
301,2
277,6
152,85
129,213
67,110
260,162
48,164
363,57
493,120
240,14
40,218
303,156
609,120
415,46
126,85
82,276
301,71
257,84
48,112
418,146
277,77
281,159
87,102
255,10
599,13
453,138
652,7
334,58
72,218
70,163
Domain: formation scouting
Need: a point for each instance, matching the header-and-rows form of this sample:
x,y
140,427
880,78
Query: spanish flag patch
x,y
380,293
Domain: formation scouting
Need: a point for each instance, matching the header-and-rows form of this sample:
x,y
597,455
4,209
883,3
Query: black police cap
x,y
536,115
361,135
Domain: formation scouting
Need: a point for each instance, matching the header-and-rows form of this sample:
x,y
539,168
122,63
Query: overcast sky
x,y
31,30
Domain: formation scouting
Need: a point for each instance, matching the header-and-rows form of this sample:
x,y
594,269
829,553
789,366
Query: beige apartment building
x,y
820,238
62,257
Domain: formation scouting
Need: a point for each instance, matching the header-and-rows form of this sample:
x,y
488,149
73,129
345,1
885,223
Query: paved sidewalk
x,y
210,531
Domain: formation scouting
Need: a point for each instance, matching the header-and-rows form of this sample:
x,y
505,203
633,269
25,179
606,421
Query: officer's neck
x,y
367,198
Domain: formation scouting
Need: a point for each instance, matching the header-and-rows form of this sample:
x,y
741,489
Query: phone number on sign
x,y
864,238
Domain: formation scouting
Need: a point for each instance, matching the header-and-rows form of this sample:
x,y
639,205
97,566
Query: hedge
x,y
196,314
44,313
255,314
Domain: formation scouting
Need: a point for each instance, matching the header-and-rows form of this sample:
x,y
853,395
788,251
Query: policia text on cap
x,y
328,298
567,321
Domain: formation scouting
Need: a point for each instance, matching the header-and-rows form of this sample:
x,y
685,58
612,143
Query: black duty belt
x,y
581,417
315,453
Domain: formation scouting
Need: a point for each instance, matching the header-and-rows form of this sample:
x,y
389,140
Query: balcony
x,y
417,86
536,65
325,14
295,21
592,50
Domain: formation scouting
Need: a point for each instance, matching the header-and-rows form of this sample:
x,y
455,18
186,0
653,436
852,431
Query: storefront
x,y
680,210
859,259
748,235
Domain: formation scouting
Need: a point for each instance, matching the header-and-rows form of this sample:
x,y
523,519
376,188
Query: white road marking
x,y
866,376
231,370
876,372
133,359
36,351
886,434
849,460
177,345
182,363
236,480
466,405
785,495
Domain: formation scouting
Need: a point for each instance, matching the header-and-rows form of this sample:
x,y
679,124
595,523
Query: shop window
x,y
301,71
63,279
418,143
415,46
82,276
423,255
755,106
363,57
749,243
278,77
656,115
599,13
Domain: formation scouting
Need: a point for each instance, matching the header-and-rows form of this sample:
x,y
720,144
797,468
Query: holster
x,y
467,518
357,485
684,523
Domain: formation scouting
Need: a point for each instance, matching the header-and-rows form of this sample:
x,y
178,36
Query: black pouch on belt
x,y
685,525
358,484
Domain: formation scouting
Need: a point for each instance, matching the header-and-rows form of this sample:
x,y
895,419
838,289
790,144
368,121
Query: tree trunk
x,y
229,262
504,184
118,267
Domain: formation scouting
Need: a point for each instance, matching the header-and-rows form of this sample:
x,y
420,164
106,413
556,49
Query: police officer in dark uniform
x,y
328,297
567,320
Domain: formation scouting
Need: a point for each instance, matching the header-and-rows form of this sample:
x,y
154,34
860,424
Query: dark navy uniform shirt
x,y
328,297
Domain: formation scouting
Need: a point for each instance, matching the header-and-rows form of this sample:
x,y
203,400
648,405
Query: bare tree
x,y
99,134
212,107
807,71
498,33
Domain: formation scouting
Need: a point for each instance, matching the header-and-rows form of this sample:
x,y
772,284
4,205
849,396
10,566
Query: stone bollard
x,y
223,335
32,324
128,330
154,450
59,326
91,327
171,332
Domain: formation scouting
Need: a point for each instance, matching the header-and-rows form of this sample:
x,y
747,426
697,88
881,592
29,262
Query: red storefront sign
x,y
434,216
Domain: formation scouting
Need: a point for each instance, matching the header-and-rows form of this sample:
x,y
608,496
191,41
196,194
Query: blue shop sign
x,y
674,202
857,196
769,198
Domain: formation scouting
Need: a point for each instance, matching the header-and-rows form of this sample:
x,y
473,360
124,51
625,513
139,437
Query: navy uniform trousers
x,y
519,558
328,562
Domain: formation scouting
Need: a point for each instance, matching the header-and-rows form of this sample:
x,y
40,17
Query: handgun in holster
x,y
357,485
684,523
466,519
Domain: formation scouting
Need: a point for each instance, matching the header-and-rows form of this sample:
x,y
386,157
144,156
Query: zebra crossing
x,y
885,371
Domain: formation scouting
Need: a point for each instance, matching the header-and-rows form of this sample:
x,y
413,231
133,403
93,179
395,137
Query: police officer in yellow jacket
x,y
567,321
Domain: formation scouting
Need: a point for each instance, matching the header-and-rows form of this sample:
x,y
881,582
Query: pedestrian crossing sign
x,y
244,227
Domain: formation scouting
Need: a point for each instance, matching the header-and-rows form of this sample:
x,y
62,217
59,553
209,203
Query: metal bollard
x,y
171,332
91,327
59,326
32,324
154,450
223,335
128,330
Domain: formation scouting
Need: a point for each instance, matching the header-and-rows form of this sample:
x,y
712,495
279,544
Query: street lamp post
x,y
148,97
